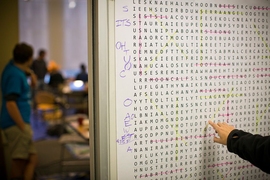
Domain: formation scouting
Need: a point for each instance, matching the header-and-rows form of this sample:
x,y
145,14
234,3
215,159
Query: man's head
x,y
83,68
42,54
23,54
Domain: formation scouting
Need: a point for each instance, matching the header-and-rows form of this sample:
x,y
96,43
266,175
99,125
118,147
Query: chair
x,y
48,105
77,101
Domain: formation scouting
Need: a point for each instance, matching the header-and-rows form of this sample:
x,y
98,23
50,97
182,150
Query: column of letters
x,y
193,62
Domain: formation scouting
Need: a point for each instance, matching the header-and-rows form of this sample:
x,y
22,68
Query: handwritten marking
x,y
260,8
217,32
227,6
183,138
168,79
258,119
213,90
140,47
212,64
258,32
220,164
221,95
161,173
218,109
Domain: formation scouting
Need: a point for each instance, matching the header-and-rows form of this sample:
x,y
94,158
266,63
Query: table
x,y
77,100
76,143
82,130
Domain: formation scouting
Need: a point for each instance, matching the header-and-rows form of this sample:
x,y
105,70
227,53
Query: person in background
x,y
254,148
56,77
16,110
83,76
39,67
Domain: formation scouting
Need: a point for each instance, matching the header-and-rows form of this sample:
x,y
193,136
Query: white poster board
x,y
178,65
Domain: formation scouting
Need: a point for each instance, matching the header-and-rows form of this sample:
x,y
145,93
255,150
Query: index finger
x,y
213,125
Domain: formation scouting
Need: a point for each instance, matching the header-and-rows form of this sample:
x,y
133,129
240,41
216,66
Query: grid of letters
x,y
178,65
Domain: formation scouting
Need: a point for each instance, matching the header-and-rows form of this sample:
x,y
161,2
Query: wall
x,y
9,36
9,30
58,28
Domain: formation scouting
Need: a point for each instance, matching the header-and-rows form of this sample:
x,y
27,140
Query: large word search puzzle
x,y
178,65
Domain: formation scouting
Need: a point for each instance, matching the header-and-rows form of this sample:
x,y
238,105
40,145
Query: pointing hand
x,y
223,130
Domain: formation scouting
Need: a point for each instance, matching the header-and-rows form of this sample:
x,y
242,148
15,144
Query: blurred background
x,y
59,27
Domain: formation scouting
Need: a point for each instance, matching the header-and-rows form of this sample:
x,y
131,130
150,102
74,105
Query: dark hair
x,y
41,52
22,52
83,68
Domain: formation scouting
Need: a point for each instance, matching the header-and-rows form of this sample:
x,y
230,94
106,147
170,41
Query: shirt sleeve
x,y
254,148
12,97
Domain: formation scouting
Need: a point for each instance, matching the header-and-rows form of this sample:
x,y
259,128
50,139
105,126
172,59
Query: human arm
x,y
254,148
15,87
223,130
15,114
33,78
